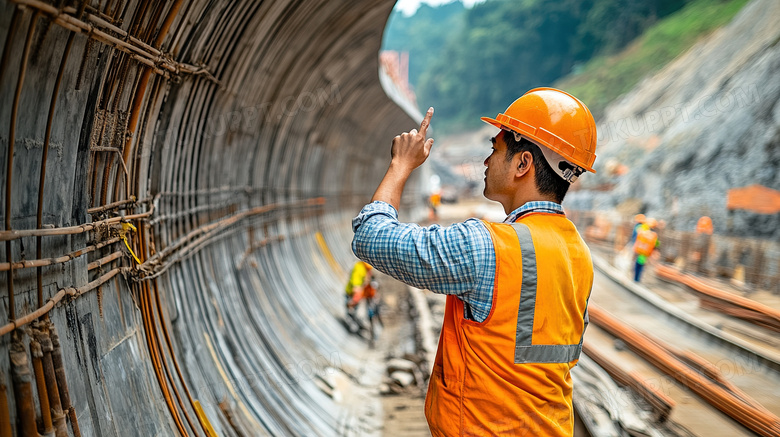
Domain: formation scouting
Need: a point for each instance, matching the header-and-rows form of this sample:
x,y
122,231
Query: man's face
x,y
499,173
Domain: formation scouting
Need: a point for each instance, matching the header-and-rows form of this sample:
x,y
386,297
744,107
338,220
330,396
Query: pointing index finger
x,y
426,122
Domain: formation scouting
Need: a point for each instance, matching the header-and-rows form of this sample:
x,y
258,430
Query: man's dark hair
x,y
547,181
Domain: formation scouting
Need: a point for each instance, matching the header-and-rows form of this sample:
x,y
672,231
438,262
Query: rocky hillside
x,y
708,122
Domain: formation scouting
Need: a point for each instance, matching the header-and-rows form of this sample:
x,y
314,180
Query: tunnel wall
x,y
239,138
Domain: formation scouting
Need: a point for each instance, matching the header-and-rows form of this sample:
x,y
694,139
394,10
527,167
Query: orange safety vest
x,y
645,242
509,375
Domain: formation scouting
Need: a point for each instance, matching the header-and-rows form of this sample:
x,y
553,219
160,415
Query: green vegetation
x,y
606,77
423,34
473,62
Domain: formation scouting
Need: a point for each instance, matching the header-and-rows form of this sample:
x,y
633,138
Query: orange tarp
x,y
756,198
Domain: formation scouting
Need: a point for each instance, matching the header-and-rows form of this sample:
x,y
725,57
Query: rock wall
x,y
708,122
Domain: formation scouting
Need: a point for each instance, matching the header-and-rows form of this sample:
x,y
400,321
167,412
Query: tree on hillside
x,y
506,47
423,34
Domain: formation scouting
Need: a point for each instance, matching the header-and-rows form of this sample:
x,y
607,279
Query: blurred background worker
x,y
358,286
517,291
644,246
701,244
639,220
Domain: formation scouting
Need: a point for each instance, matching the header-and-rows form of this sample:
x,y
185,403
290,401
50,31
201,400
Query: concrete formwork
x,y
239,137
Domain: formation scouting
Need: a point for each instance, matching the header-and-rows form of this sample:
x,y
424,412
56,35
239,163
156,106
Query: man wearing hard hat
x,y
517,291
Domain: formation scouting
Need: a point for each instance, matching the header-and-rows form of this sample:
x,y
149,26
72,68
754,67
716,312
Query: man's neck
x,y
522,200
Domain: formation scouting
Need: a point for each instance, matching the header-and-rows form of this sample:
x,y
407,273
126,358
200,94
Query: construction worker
x,y
701,241
644,246
358,286
639,220
517,291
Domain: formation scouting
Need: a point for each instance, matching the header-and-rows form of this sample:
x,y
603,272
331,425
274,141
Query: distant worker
x,y
517,291
704,230
434,200
359,281
704,226
644,246
639,220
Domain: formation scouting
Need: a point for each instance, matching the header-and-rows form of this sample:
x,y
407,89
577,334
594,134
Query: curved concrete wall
x,y
249,132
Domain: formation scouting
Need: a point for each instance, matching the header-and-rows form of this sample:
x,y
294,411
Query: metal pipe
x,y
23,396
62,383
40,383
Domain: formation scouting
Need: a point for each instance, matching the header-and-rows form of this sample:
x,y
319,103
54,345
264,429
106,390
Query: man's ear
x,y
524,161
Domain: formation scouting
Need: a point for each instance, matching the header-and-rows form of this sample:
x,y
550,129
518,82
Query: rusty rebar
x,y
9,39
62,383
10,159
72,292
40,384
31,263
173,358
70,230
143,82
159,64
48,369
57,416
120,203
22,382
5,412
44,158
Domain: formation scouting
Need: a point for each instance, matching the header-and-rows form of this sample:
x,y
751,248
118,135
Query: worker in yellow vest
x,y
358,285
644,246
517,291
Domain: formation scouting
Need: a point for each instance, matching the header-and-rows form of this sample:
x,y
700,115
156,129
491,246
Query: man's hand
x,y
411,149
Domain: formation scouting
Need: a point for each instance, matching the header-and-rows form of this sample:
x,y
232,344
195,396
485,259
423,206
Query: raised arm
x,y
410,150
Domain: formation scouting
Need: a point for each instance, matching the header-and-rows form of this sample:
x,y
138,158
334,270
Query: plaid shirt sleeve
x,y
458,259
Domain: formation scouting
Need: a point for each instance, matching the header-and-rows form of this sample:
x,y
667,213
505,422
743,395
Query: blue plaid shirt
x,y
459,259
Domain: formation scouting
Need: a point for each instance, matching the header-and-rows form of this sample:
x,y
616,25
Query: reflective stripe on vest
x,y
525,350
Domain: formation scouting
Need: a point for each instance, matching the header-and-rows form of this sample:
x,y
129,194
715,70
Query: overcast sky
x,y
410,6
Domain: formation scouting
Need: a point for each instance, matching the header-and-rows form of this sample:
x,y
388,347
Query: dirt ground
x,y
403,413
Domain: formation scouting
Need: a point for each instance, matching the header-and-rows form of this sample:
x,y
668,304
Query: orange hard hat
x,y
640,218
704,225
555,120
652,223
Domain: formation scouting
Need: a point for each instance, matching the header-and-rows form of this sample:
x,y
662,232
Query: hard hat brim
x,y
533,139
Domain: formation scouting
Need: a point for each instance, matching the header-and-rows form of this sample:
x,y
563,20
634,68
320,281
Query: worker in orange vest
x,y
644,246
517,291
